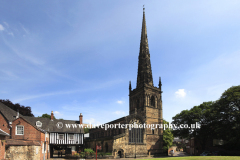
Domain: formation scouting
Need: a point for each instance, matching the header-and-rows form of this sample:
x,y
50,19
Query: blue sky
x,y
75,57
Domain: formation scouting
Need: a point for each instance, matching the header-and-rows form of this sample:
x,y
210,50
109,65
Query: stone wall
x,y
128,150
23,152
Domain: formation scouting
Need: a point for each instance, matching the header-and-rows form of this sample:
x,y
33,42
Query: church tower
x,y
146,100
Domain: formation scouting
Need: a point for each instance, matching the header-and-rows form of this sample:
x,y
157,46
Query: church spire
x,y
144,65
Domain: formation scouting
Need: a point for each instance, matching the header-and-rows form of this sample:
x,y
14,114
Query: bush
x,y
76,155
88,151
108,153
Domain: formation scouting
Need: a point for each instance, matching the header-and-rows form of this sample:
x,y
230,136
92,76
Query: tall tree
x,y
198,115
218,120
228,124
167,137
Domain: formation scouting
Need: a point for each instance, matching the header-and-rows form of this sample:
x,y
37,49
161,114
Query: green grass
x,y
199,158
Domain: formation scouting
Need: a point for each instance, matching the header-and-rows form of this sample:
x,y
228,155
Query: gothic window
x,y
135,134
138,103
106,147
153,131
152,101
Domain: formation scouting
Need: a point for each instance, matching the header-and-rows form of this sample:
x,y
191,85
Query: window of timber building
x,y
61,136
71,136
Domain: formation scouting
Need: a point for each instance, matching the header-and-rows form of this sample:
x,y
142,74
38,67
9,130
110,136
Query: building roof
x,y
3,133
47,124
55,125
8,113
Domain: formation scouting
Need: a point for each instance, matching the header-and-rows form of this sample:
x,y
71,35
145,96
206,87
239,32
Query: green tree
x,y
86,130
228,124
47,116
167,137
201,115
218,120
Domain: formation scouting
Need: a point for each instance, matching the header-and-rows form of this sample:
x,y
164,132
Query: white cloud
x,y
25,30
180,93
11,34
1,28
57,114
92,121
120,102
6,24
119,112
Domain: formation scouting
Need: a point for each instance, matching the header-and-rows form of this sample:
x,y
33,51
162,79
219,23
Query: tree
x,y
203,115
228,124
86,130
25,111
167,137
47,116
218,120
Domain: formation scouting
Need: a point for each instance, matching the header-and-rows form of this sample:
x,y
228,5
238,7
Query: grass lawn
x,y
199,158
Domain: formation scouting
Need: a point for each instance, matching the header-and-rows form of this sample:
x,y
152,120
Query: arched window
x,y
138,103
152,101
135,134
106,147
153,130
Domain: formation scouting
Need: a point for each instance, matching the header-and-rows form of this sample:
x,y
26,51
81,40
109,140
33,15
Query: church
x,y
145,107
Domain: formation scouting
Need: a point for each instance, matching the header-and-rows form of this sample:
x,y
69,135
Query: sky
x,y
73,57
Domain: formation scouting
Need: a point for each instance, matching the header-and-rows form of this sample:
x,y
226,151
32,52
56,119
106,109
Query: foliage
x,y
100,153
108,153
86,130
167,137
218,120
47,116
88,151
25,111
228,125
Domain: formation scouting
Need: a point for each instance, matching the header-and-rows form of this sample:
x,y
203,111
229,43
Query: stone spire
x,y
144,65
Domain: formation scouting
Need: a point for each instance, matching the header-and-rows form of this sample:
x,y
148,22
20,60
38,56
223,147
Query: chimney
x,y
17,114
52,116
80,118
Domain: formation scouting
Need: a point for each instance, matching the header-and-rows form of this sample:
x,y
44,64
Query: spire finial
x,y
130,86
160,83
143,8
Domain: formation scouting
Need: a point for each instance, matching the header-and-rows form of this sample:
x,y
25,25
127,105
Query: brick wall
x,y
3,124
2,147
31,134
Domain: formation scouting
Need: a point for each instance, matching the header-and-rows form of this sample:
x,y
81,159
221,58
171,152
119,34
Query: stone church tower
x,y
146,100
145,107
